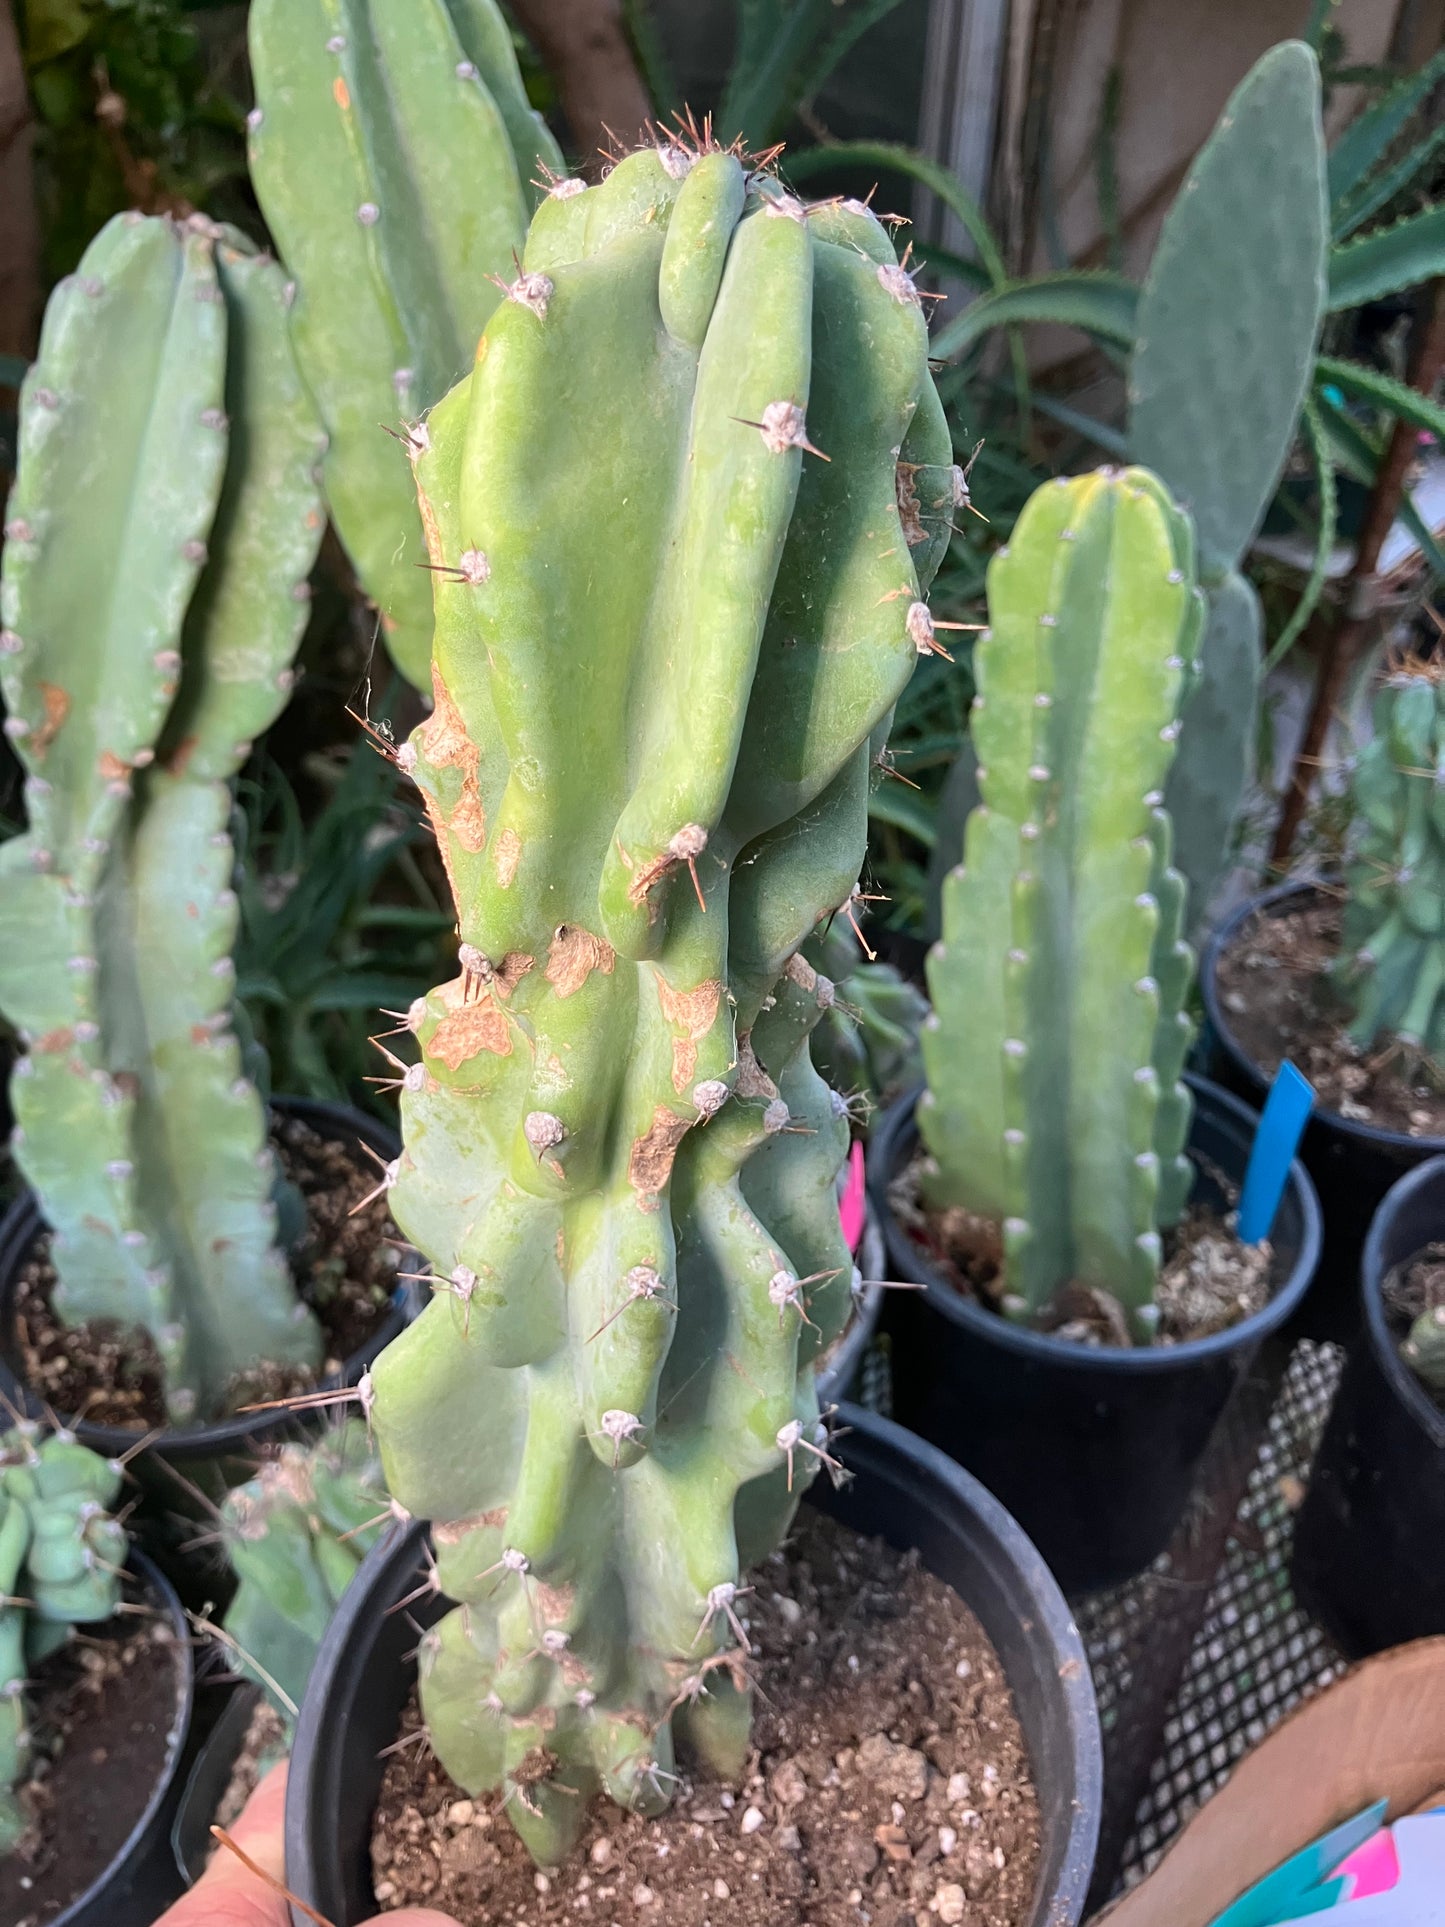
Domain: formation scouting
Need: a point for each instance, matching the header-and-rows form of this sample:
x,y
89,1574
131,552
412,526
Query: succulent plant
x,y
1391,968
61,1557
866,1043
397,163
296,1533
647,767
162,525
1424,1349
1054,1107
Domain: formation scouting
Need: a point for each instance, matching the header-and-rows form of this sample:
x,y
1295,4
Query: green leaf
x,y
1383,188
1390,259
1314,430
1113,443
896,804
1368,138
1370,385
1101,304
1360,459
918,167
51,28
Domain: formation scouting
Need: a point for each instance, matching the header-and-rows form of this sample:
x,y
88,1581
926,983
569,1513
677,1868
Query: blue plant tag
x,y
1286,1112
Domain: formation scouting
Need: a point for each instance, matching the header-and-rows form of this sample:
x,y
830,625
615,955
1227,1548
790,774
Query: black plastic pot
x,y
1093,1449
206,1781
240,1436
1353,1164
1369,1542
903,1492
142,1880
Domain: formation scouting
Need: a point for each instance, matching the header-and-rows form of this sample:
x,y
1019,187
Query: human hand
x,y
231,1894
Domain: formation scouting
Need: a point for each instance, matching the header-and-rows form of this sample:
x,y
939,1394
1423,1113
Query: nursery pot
x,y
240,1436
1369,1543
142,1880
1353,1164
904,1492
1092,1448
205,1783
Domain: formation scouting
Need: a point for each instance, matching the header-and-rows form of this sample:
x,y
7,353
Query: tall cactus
x,y
648,767
397,163
1228,320
164,519
1391,969
61,1555
1053,1057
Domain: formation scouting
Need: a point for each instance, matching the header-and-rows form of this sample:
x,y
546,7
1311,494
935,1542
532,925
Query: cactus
x,y
61,1556
1391,968
296,1533
1227,324
397,163
866,1042
1054,1106
648,768
1424,1350
164,519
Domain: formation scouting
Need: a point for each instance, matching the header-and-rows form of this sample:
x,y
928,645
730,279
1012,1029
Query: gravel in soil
x,y
346,1271
889,1783
100,1713
1208,1280
1275,989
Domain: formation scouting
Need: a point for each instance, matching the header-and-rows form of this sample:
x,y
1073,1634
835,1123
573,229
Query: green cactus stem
x,y
1054,1106
61,1558
1424,1350
163,522
296,1533
397,163
648,767
866,1044
1391,969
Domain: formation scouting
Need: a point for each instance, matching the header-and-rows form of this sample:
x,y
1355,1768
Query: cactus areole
x,y
673,587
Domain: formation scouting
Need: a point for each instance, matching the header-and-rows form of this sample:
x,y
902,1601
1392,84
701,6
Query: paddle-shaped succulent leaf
x,y
1054,1108
648,768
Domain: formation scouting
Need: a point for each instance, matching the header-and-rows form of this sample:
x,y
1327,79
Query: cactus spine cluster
x,y
1054,1106
1391,969
397,163
648,767
162,526
61,1556
296,1533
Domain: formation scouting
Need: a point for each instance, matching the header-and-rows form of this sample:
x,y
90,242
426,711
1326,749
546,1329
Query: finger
x,y
228,1893
413,1917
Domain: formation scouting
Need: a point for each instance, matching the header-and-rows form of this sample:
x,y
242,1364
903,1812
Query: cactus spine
x,y
61,1556
164,519
1054,1106
1392,964
397,163
648,768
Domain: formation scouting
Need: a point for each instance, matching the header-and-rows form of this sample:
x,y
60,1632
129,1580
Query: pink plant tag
x,y
851,1205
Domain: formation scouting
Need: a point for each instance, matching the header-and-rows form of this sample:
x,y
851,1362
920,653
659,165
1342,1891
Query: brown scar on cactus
x,y
469,1027
506,855
686,846
650,1164
573,955
696,1012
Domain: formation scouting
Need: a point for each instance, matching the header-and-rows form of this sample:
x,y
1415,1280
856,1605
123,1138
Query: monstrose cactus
x,y
163,522
61,1557
1054,1107
648,768
397,163
1392,963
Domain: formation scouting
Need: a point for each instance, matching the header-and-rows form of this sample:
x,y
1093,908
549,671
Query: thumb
x,y
228,1894
412,1917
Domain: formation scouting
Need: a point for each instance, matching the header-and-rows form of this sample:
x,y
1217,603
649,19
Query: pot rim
x,y
1429,1176
1372,1134
316,1756
897,1125
24,1221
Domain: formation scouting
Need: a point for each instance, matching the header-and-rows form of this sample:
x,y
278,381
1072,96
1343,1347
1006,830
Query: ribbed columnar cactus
x,y
1054,1106
61,1556
164,519
398,163
1392,963
295,1534
675,604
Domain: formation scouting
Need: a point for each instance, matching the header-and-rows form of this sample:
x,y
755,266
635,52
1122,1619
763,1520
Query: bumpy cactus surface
x,y
296,1533
1392,963
866,1044
398,163
162,525
1054,1105
1424,1350
648,768
1228,320
61,1556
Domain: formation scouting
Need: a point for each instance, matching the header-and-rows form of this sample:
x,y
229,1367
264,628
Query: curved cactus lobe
x,y
620,1141
1059,983
385,164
